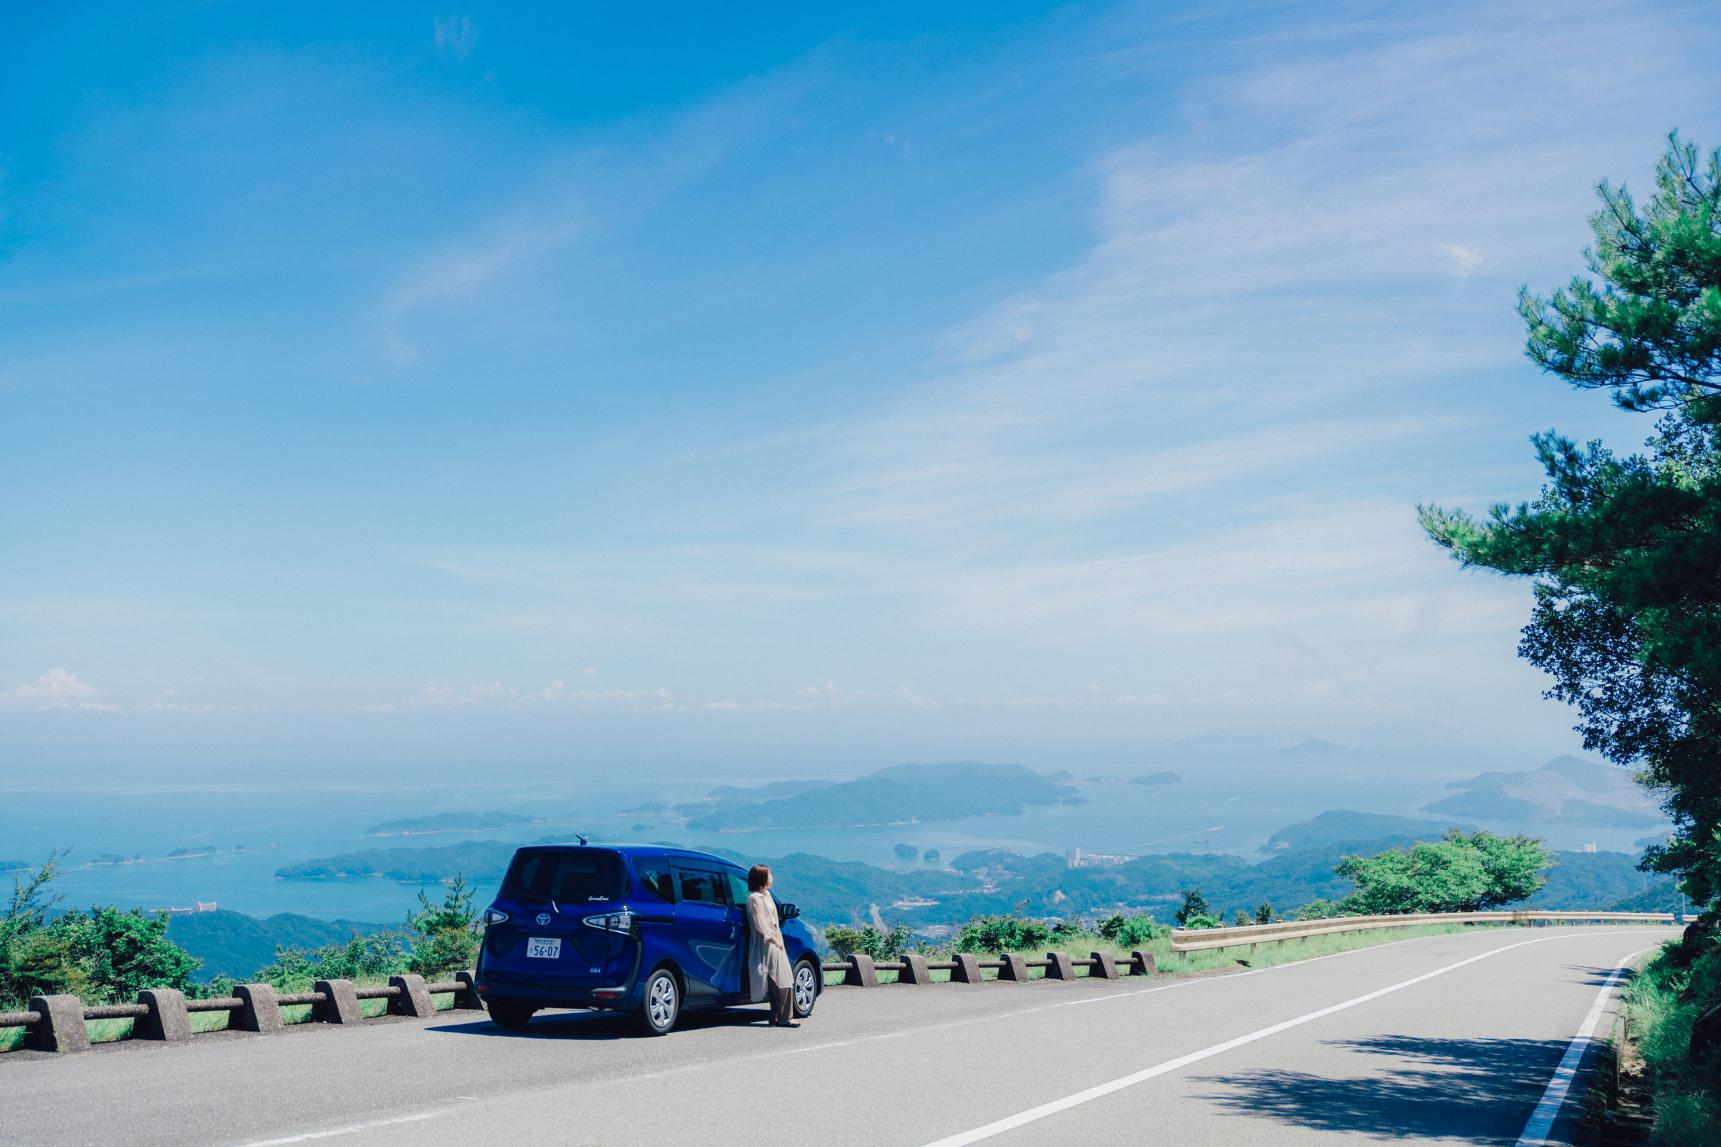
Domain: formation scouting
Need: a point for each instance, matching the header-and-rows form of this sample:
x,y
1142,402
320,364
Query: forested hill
x,y
234,944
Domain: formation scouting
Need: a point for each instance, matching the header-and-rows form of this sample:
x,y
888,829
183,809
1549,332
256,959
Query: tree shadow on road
x,y
591,1025
1474,1090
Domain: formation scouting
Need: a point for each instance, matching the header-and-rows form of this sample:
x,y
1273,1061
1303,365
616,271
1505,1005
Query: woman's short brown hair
x,y
757,877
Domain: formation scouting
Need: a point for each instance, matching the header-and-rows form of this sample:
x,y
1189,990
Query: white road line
x,y
1541,1121
1034,1114
353,1128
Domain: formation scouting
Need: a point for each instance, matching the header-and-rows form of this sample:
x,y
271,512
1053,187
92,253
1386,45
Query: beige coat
x,y
765,961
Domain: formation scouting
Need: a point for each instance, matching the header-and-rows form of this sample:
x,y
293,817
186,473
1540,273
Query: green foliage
x,y
1663,1000
1001,934
868,940
1264,912
1241,919
1624,552
1459,873
362,958
1317,910
906,852
1195,905
103,954
444,936
1132,931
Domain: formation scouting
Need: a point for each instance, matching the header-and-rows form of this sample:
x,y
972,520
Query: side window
x,y
699,886
654,874
737,888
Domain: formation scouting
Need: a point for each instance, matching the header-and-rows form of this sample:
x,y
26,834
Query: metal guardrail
x,y
1204,939
57,1023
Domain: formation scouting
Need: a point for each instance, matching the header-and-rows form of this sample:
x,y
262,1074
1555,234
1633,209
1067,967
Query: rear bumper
x,y
531,985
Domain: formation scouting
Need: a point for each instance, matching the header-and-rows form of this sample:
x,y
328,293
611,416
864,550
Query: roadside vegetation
x,y
1623,553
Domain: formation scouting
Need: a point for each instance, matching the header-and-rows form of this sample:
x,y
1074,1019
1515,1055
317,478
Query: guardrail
x,y
57,1023
1203,939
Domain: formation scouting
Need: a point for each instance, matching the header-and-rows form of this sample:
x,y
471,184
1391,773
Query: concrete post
x,y
914,969
967,969
1015,967
1103,967
466,999
62,1027
413,1000
862,973
1061,967
1142,963
167,1019
340,1003
261,1013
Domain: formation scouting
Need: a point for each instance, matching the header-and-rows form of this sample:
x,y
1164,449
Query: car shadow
x,y
598,1025
1472,1090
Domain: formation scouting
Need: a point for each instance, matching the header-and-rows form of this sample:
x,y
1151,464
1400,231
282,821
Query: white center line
x,y
1541,1120
1034,1114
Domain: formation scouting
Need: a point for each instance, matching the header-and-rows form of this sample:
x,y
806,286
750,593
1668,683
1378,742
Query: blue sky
x,y
789,384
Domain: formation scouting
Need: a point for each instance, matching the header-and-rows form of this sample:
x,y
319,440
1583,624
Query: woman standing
x,y
767,960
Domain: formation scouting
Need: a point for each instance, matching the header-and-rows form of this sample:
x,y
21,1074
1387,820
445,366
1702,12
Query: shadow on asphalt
x,y
603,1025
1474,1090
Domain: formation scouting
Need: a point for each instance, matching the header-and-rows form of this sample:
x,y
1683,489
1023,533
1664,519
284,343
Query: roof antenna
x,y
581,837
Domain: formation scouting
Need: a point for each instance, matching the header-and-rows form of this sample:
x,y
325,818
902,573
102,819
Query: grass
x,y
1662,1001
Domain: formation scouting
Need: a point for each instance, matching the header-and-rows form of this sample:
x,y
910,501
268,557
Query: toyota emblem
x,y
543,918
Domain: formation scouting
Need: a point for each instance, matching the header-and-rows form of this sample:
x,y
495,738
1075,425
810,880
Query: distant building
x,y
1076,858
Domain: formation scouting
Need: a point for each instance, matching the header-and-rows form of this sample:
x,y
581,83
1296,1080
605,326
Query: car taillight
x,y
494,916
612,921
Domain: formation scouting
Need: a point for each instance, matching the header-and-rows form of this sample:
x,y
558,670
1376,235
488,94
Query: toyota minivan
x,y
646,930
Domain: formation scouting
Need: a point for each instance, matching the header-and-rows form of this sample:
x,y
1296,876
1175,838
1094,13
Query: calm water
x,y
278,825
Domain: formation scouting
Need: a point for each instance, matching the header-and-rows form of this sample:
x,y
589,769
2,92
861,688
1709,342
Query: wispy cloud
x,y
456,34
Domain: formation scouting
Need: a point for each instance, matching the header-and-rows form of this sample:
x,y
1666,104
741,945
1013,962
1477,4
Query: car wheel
x,y
806,987
661,1003
511,1014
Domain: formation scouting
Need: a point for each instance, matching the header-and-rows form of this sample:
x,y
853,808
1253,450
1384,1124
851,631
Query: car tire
x,y
806,987
510,1014
659,1003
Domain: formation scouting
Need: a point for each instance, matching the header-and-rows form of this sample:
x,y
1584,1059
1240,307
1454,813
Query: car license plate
x,y
540,948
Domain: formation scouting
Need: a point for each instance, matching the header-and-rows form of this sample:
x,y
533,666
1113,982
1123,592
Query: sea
x,y
135,839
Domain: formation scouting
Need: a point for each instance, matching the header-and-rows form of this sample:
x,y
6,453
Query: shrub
x,y
1001,934
1317,910
444,936
1195,904
1132,931
373,957
868,940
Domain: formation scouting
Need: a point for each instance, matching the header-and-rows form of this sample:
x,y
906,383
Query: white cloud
x,y
54,690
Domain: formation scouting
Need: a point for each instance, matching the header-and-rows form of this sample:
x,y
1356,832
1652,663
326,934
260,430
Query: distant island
x,y
108,858
901,794
448,822
770,791
1165,778
192,853
1567,789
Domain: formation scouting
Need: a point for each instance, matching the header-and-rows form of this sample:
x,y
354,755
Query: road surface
x,y
1444,1039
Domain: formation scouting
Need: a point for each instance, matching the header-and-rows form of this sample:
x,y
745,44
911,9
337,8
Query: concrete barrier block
x,y
862,972
1102,967
414,998
260,1012
466,999
914,970
1061,967
167,1019
340,1002
62,1026
1142,963
967,969
1015,967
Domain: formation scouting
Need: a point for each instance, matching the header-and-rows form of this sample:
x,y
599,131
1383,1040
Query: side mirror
x,y
788,911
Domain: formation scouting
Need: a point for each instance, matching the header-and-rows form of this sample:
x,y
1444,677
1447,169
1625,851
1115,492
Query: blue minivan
x,y
645,930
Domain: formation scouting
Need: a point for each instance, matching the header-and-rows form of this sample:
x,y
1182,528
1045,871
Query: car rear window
x,y
566,876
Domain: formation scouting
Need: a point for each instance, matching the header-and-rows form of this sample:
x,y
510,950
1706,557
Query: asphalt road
x,y
1446,1039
